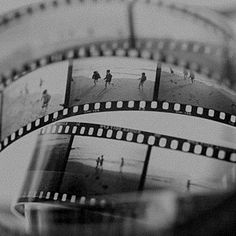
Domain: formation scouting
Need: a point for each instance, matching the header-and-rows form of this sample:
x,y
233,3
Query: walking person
x,y
191,76
142,80
122,164
97,162
108,78
95,77
46,97
185,72
101,162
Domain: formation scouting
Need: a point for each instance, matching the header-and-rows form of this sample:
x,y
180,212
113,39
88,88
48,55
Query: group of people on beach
x,y
46,97
187,75
96,76
100,160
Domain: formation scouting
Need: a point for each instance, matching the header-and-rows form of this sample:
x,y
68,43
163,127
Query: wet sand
x,y
89,181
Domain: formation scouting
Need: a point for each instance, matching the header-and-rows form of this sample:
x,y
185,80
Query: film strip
x,y
148,49
153,139
159,88
55,173
138,215
15,15
101,216
156,106
29,56
118,207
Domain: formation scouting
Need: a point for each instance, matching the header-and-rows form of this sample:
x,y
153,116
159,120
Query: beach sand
x,y
174,88
88,181
21,110
83,90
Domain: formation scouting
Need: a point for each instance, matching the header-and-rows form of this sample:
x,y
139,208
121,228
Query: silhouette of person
x,y
101,162
108,78
171,71
191,76
142,80
95,77
46,97
97,162
122,164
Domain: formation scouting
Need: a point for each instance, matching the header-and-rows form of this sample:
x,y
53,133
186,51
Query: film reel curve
x,y
132,37
147,49
158,106
226,115
46,191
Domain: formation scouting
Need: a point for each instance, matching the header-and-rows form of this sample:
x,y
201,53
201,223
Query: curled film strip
x,y
214,103
157,106
63,166
127,216
43,46
134,206
147,138
15,15
163,51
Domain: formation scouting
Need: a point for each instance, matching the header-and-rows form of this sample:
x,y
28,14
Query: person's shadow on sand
x,y
85,92
101,93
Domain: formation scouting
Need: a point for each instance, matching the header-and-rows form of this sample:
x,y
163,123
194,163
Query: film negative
x,y
62,164
137,221
153,106
199,57
206,16
36,95
40,19
51,151
195,147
